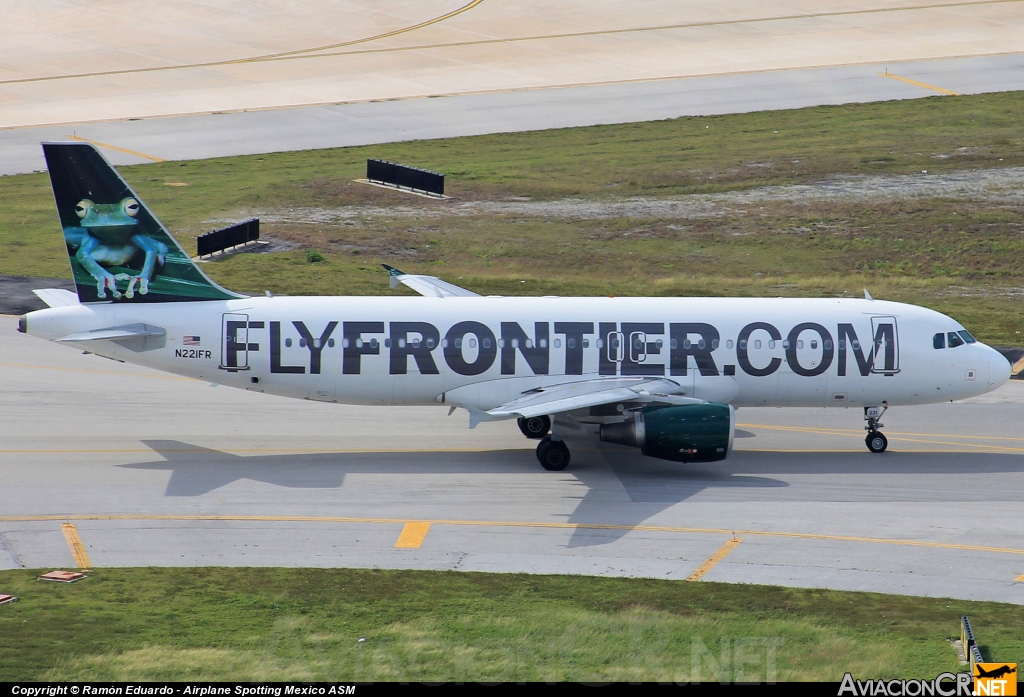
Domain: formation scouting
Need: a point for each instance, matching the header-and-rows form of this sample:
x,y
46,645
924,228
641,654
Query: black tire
x,y
553,455
535,427
877,442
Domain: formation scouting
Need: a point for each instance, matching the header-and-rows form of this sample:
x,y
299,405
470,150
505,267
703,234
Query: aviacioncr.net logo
x,y
945,685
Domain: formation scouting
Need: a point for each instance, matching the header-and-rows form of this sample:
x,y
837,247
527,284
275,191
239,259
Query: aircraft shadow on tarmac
x,y
621,487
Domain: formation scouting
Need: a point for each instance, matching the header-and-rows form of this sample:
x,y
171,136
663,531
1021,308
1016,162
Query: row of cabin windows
x,y
939,342
953,339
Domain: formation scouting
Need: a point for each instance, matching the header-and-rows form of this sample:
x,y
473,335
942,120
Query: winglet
x,y
393,275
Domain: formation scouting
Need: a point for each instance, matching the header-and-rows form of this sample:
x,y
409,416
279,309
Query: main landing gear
x,y
553,454
535,427
875,440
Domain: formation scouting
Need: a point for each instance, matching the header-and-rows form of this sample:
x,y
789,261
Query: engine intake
x,y
690,433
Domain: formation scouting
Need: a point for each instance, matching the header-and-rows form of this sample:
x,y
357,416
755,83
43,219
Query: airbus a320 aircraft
x,y
660,374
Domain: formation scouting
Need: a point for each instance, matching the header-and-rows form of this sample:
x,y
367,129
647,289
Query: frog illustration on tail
x,y
119,251
107,235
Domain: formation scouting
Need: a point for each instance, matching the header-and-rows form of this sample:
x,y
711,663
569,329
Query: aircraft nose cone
x,y
998,368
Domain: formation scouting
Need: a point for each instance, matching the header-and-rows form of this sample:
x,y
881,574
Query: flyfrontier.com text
x,y
945,685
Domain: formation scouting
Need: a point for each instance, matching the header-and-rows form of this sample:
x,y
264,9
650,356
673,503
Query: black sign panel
x,y
219,240
383,172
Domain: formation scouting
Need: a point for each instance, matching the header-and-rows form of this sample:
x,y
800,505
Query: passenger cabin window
x,y
939,341
954,340
966,336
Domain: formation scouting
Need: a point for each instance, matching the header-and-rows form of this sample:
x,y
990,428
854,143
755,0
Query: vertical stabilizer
x,y
120,252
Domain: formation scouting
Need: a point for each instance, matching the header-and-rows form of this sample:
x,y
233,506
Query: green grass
x,y
957,256
305,624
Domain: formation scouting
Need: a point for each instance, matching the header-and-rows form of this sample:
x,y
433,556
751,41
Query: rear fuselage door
x,y
885,348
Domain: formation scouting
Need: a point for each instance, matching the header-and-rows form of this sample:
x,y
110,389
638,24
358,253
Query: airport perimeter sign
x,y
405,177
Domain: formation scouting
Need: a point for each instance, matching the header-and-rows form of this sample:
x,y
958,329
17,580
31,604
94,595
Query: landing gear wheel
x,y
535,426
553,455
877,442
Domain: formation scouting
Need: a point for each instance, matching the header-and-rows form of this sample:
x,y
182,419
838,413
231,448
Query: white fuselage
x,y
482,352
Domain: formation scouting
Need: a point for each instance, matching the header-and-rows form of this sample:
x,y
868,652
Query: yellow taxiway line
x,y
304,52
272,451
718,556
315,52
99,372
1020,578
513,524
853,432
900,437
76,546
114,147
919,84
412,535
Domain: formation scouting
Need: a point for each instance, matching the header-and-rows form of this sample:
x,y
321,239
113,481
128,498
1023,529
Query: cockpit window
x,y
954,340
939,341
966,336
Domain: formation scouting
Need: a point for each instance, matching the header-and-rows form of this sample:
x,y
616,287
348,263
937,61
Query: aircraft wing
x,y
429,286
591,393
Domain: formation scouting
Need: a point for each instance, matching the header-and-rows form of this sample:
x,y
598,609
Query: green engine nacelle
x,y
690,433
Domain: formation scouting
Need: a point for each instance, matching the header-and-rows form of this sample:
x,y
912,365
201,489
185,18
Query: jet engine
x,y
690,433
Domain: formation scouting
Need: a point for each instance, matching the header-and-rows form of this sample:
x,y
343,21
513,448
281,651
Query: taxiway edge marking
x,y
710,562
136,153
412,535
76,546
920,84
518,524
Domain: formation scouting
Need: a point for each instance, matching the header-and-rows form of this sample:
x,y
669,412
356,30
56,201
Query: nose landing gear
x,y
875,440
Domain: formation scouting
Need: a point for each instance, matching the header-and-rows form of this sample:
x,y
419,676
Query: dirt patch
x,y
1004,186
17,298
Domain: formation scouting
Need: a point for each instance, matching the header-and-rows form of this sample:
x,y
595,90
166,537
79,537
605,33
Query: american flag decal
x,y
190,341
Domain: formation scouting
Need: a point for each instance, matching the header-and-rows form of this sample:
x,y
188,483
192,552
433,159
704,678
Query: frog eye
x,y
130,206
83,207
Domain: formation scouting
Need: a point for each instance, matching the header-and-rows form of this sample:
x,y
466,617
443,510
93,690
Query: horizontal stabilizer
x,y
57,297
430,286
128,331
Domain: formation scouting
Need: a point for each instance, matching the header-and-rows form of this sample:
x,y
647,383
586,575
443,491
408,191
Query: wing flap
x,y
591,393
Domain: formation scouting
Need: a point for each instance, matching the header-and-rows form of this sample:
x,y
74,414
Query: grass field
x,y
958,254
307,624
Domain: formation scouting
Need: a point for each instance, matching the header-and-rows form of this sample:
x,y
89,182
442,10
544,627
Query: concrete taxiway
x,y
202,136
188,80
106,464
